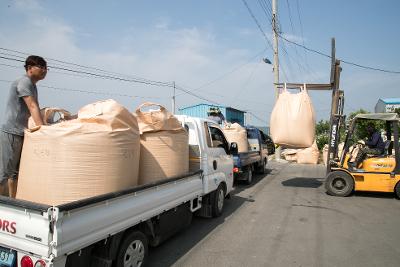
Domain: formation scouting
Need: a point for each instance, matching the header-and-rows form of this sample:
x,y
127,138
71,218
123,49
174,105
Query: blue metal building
x,y
387,105
200,111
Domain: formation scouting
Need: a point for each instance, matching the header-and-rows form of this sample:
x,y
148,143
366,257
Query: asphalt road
x,y
286,219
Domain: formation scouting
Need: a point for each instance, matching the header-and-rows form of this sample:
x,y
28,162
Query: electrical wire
x,y
148,82
258,24
63,63
344,61
227,73
258,118
91,92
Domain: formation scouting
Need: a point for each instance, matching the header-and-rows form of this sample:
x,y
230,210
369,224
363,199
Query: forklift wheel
x,y
339,183
397,190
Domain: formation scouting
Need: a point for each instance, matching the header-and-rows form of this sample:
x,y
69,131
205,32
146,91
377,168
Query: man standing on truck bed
x,y
22,102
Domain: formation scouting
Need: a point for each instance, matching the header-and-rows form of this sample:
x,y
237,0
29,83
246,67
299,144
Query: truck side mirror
x,y
233,148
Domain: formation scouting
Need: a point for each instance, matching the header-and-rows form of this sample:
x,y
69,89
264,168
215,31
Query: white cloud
x,y
28,5
189,56
294,38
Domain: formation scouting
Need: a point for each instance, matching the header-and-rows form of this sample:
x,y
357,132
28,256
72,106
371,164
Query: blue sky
x,y
197,42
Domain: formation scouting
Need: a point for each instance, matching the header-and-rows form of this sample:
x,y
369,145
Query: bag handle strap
x,y
304,87
148,119
49,114
149,104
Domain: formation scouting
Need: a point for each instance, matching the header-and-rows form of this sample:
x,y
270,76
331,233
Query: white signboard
x,y
392,107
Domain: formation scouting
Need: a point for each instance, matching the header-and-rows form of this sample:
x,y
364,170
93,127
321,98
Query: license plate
x,y
7,257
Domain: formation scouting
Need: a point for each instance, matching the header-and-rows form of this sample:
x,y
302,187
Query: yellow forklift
x,y
376,173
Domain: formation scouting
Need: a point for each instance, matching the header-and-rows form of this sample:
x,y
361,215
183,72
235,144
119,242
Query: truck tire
x,y
133,250
249,176
397,190
218,201
262,168
339,183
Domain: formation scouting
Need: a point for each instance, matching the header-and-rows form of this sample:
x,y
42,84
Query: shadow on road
x,y
374,194
303,182
241,185
174,248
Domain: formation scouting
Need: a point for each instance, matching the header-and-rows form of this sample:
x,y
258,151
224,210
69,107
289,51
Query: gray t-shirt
x,y
17,112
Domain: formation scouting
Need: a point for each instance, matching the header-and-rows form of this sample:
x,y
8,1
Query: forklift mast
x,y
337,118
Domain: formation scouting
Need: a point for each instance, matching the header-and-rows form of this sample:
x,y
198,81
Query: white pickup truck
x,y
116,229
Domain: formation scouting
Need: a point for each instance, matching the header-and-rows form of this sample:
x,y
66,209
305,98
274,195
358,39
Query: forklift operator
x,y
375,146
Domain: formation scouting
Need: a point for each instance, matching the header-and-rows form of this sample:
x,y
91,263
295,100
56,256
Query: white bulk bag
x,y
236,133
96,153
292,120
164,145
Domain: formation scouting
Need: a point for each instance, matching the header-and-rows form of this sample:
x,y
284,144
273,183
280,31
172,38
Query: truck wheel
x,y
133,250
397,190
263,168
218,200
249,176
339,183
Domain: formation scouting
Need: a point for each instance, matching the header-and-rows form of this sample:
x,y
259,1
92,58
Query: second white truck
x,y
116,229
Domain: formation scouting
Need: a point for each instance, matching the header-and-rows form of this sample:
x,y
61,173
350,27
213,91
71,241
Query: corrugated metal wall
x,y
380,106
233,115
200,111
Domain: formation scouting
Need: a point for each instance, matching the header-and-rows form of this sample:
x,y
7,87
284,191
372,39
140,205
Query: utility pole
x,y
276,55
173,98
276,62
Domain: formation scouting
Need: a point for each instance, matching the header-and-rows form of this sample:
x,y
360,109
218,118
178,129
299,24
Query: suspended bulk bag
x,y
164,145
309,155
293,120
236,133
96,153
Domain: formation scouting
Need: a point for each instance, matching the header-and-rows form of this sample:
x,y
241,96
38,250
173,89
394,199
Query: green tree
x,y
397,110
322,133
360,131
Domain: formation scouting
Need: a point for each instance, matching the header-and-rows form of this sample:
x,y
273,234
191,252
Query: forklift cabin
x,y
378,173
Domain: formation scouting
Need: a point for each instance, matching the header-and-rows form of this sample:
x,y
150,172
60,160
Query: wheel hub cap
x,y
134,254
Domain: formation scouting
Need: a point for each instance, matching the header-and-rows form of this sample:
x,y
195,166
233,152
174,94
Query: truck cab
x,y
209,148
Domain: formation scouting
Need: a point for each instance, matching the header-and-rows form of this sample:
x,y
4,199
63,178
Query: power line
x,y
301,31
195,95
148,82
258,24
90,92
73,64
85,91
111,78
227,73
255,116
313,50
344,61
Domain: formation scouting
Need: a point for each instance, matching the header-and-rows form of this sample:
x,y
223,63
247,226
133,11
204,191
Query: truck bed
x,y
50,231
246,158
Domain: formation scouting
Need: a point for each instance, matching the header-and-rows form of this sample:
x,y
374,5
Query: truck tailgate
x,y
246,158
24,227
